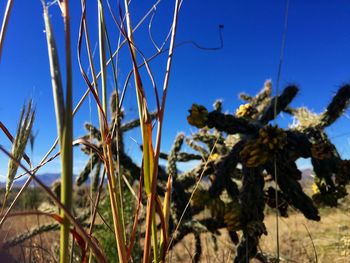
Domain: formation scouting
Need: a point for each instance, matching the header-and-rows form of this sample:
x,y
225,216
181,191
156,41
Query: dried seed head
x,y
273,138
23,132
254,154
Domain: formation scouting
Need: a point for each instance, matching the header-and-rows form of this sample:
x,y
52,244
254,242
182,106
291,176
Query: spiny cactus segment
x,y
256,152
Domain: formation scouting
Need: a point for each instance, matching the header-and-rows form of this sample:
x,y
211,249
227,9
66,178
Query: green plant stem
x,y
165,89
66,144
154,236
64,121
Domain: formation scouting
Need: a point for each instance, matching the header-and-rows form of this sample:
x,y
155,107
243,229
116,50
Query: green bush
x,y
106,236
30,199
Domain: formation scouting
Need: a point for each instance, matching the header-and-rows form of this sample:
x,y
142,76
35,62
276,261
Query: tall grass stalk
x,y
166,213
148,153
63,109
116,130
67,138
112,186
102,113
64,121
150,156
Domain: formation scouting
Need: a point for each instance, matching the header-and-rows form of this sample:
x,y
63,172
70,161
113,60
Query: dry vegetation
x,y
300,239
222,210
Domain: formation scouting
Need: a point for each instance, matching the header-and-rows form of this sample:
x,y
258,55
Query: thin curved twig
x,y
5,24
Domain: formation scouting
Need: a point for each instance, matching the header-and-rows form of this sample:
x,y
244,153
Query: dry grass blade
x,y
5,23
312,242
150,156
136,218
92,86
116,202
23,131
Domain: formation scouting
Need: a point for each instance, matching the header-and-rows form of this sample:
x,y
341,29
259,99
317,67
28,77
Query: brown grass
x,y
38,249
296,245
331,238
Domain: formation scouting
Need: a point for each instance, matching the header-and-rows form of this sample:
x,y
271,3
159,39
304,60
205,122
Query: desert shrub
x,y
31,199
105,234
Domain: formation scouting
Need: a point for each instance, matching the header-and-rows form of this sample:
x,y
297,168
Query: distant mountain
x,y
307,178
46,178
49,178
307,173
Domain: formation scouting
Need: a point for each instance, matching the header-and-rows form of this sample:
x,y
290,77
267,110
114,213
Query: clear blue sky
x,y
316,58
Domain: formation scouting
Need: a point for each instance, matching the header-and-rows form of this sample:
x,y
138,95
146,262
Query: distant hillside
x,y
307,177
46,178
49,178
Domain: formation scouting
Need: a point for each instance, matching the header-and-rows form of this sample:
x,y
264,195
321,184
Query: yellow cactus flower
x,y
315,188
246,111
213,157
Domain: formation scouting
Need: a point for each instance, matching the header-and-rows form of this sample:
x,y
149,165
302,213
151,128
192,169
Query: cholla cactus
x,y
254,148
